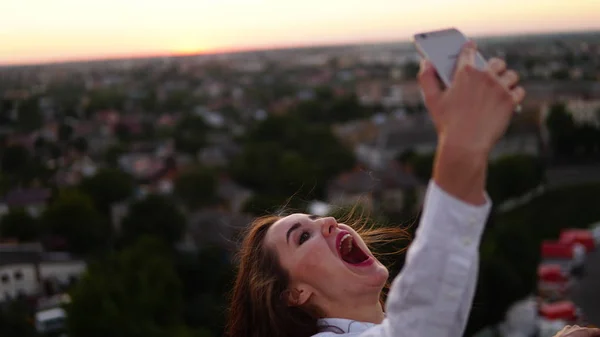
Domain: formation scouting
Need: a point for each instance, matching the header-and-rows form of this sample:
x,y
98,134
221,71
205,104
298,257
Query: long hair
x,y
258,307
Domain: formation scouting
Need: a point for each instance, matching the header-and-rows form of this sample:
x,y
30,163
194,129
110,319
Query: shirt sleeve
x,y
433,294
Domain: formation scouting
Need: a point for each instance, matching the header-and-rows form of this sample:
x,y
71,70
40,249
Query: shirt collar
x,y
341,325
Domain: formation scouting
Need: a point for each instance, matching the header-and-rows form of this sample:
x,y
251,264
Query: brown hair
x,y
257,307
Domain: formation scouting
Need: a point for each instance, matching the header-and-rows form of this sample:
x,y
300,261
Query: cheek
x,y
317,262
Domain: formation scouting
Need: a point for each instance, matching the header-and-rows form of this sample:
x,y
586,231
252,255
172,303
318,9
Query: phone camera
x,y
424,36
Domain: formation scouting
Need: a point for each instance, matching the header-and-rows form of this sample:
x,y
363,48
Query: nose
x,y
328,226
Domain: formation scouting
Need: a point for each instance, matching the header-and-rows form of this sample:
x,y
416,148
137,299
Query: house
x,y
27,270
216,227
233,195
390,188
34,200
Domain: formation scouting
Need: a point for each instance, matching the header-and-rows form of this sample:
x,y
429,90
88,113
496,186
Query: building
x,y
390,188
34,200
27,270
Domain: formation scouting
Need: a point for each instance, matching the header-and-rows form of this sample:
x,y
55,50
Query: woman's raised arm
x,y
433,294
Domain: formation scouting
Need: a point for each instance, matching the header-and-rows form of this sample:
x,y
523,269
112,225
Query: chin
x,y
379,275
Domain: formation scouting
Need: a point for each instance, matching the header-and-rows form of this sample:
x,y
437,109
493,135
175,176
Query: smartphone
x,y
442,48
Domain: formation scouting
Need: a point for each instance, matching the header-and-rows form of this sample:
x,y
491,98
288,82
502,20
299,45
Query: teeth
x,y
346,243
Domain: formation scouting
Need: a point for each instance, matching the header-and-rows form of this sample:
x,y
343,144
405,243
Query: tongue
x,y
355,255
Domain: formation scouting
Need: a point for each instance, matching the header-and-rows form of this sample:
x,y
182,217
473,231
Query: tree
x,y
123,132
421,164
410,70
512,176
285,156
106,99
65,132
73,217
154,215
16,320
206,293
107,187
561,127
20,225
196,186
134,293
190,134
80,144
327,109
15,159
29,117
113,153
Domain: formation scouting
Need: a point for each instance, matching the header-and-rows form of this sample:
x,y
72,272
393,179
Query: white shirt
x,y
433,294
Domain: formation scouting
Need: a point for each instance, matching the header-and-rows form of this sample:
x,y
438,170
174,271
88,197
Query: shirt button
x,y
467,241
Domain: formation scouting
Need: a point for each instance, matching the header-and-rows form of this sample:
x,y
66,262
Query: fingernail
x,y
470,45
423,66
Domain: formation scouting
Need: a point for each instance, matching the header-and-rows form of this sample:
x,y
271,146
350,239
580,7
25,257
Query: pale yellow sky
x,y
51,30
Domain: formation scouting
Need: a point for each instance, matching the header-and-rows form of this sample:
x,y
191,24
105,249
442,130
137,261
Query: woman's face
x,y
328,263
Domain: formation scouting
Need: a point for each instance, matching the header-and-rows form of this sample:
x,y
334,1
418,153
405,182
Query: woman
x,y
302,275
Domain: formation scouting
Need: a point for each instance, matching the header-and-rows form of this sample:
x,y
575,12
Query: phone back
x,y
442,48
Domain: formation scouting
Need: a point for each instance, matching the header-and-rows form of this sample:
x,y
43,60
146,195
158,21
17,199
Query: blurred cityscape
x,y
125,184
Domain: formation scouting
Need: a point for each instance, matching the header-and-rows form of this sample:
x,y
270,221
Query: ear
x,y
298,295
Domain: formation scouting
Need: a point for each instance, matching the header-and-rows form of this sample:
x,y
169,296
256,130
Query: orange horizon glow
x,y
40,31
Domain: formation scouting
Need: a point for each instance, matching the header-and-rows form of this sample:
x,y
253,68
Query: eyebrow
x,y
293,228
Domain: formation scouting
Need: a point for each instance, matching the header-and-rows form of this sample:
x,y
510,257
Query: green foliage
x,y
204,293
16,320
29,117
155,215
112,154
134,293
20,225
410,70
196,186
568,139
328,109
65,132
177,101
80,144
284,156
510,248
562,129
15,159
105,99
73,217
512,176
421,164
107,187
190,134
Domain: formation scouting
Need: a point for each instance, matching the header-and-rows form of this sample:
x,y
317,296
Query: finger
x,y
594,332
496,66
518,94
429,83
509,79
467,56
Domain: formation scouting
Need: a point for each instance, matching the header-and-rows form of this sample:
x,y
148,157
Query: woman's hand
x,y
470,117
476,110
577,331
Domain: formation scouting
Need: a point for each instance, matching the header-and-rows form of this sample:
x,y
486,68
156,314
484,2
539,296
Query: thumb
x,y
429,83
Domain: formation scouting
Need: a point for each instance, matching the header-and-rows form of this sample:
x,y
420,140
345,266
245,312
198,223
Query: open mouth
x,y
349,250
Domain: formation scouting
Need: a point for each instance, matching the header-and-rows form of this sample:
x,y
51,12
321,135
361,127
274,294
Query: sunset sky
x,y
52,30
